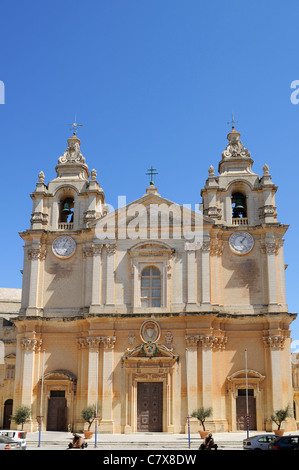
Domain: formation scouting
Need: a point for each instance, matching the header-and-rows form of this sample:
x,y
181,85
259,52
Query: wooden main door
x,y
149,406
241,413
57,414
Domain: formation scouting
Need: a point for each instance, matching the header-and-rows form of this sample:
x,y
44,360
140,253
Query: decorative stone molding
x,y
94,342
206,247
93,175
168,337
213,212
111,249
41,177
235,148
192,340
36,253
150,331
274,341
39,218
131,338
207,341
216,248
31,344
271,247
72,153
109,341
92,250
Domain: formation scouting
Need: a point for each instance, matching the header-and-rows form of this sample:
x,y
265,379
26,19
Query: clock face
x,y
64,246
241,242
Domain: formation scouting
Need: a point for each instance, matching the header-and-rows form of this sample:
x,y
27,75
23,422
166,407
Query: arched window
x,y
239,209
151,287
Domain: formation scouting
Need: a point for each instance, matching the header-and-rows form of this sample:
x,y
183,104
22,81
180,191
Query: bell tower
x,y
242,205
238,196
65,209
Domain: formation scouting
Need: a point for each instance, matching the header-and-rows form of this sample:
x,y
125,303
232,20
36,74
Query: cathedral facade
x,y
151,310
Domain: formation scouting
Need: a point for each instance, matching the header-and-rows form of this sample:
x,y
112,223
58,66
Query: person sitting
x,y
209,443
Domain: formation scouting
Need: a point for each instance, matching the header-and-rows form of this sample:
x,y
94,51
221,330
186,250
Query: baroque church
x,y
151,310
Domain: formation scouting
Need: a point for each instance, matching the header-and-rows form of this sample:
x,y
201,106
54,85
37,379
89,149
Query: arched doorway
x,y
7,413
58,400
149,388
244,387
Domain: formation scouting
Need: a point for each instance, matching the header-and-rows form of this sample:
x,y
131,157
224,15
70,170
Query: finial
x,y
41,177
151,172
265,170
232,122
75,126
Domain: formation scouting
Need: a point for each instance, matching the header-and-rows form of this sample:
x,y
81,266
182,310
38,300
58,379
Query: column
x,y
135,292
190,256
29,346
106,424
274,343
270,248
192,372
207,371
177,280
205,273
35,256
111,250
96,275
88,257
93,343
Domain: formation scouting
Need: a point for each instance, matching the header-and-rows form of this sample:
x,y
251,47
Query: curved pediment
x,y
251,374
150,350
60,375
152,247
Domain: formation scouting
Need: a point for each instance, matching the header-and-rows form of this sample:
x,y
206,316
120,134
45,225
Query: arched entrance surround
x,y
236,388
59,390
149,369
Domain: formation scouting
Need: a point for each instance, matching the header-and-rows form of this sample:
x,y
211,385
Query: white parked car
x,y
17,436
260,442
8,444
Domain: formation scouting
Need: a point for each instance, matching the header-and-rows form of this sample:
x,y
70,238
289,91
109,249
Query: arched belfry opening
x,y
66,210
239,207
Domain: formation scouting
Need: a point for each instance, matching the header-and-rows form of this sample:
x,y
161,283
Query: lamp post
x,y
246,384
188,416
96,411
41,401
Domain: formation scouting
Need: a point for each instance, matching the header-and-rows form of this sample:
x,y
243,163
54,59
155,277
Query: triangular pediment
x,y
153,217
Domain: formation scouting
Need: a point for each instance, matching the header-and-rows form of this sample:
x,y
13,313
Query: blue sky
x,y
154,83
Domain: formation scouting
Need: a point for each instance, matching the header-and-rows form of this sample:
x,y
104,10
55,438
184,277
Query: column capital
x,y
36,253
207,341
94,342
274,341
192,340
111,249
31,344
94,249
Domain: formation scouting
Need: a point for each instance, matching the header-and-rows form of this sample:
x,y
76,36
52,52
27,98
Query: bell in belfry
x,y
239,207
66,207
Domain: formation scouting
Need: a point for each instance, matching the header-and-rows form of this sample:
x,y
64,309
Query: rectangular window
x,y
10,371
151,287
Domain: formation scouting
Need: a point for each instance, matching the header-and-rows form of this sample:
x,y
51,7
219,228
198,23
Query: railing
x,y
65,226
240,221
